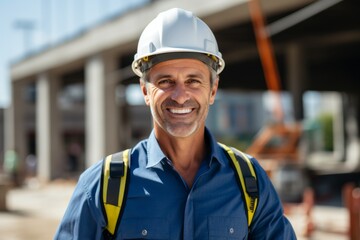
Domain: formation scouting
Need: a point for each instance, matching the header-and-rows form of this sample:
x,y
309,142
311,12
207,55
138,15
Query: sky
x,y
48,23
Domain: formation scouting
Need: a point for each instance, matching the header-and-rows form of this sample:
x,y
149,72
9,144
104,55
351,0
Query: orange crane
x,y
288,135
267,55
272,153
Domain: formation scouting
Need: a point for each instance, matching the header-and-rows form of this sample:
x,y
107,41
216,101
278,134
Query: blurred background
x,y
289,95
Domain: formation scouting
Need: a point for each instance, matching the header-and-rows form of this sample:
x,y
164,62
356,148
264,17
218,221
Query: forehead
x,y
180,66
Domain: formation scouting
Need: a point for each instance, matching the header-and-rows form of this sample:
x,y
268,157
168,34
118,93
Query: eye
x,y
193,81
165,83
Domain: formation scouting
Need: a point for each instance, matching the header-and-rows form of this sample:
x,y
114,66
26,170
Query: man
x,y
182,185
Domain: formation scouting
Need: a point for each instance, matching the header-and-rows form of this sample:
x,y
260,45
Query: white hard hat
x,y
173,34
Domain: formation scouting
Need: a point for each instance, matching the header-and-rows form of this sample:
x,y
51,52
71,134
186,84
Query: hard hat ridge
x,y
172,34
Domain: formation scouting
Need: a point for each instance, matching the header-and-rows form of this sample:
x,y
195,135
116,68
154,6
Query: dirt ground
x,y
34,212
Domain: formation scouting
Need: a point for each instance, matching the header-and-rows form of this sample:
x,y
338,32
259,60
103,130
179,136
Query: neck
x,y
186,154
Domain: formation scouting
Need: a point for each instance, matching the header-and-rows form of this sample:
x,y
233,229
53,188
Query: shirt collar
x,y
216,152
155,155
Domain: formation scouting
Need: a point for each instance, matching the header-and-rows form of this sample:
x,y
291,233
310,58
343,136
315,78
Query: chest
x,y
159,205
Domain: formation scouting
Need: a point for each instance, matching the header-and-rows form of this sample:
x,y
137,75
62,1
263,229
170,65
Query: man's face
x,y
179,94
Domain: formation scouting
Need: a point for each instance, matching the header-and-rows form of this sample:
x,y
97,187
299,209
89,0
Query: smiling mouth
x,y
180,110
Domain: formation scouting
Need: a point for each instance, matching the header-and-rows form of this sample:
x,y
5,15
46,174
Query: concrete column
x,y
94,110
124,133
9,126
47,128
15,135
296,77
2,134
112,113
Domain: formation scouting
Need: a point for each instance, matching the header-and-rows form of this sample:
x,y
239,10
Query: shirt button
x,y
144,232
231,230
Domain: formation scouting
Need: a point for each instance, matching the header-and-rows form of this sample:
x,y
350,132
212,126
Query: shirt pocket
x,y
145,228
227,228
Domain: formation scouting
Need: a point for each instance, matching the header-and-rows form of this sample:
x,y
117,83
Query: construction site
x,y
288,96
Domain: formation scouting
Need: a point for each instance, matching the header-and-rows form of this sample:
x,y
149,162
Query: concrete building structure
x,y
316,44
1,136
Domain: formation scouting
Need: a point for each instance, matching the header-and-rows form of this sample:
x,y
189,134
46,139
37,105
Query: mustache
x,y
169,103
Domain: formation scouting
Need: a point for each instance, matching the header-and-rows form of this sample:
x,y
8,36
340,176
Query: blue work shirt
x,y
160,205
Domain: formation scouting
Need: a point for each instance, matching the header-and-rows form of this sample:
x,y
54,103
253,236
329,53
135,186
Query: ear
x,y
144,92
214,91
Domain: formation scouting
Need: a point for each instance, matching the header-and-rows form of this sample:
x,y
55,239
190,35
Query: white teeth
x,y
180,111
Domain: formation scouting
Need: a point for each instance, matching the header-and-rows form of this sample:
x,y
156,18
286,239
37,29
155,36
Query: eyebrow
x,y
159,76
191,75
195,75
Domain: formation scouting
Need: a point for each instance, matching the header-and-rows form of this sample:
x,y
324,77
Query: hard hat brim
x,y
142,63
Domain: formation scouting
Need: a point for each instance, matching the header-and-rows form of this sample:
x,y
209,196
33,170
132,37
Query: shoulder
x,y
261,175
91,174
88,184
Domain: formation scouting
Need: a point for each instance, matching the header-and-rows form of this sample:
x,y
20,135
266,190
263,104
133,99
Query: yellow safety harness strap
x,y
114,182
246,178
114,186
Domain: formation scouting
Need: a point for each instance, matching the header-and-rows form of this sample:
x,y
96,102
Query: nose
x,y
180,94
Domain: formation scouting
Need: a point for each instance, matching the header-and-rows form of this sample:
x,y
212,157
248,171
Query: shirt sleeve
x,y
83,218
269,220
